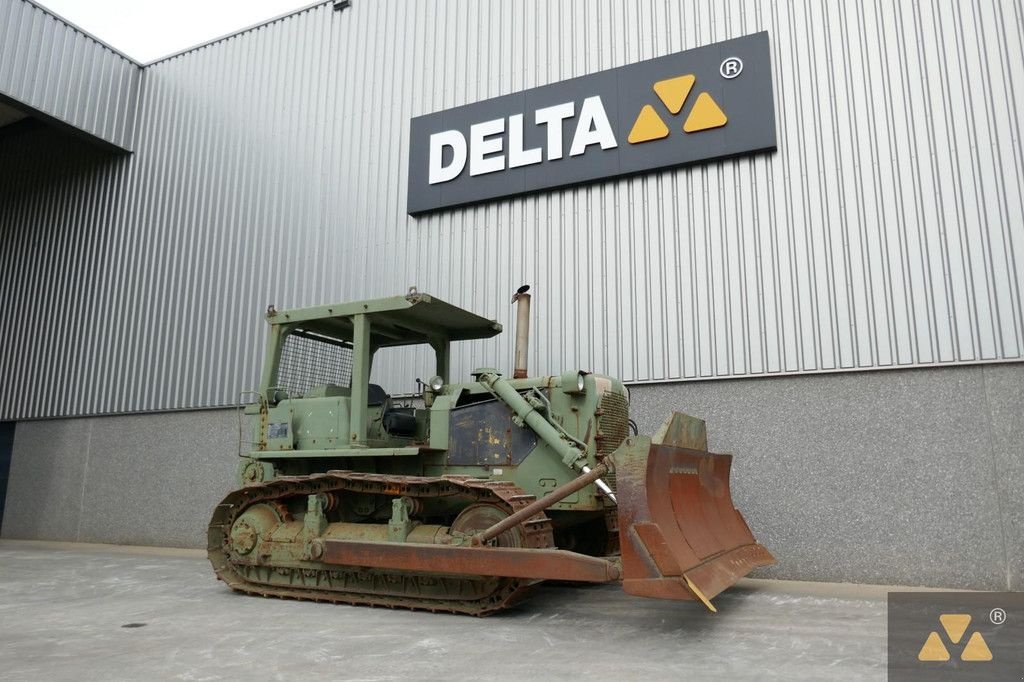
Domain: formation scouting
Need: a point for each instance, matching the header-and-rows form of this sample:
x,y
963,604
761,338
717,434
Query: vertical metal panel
x,y
53,67
270,167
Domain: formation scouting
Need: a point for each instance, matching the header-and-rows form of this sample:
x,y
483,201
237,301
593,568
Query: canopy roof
x,y
396,321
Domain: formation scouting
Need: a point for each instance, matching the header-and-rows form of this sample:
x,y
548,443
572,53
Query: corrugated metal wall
x,y
888,229
53,67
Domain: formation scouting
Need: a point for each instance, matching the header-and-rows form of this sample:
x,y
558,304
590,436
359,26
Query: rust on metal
x,y
684,431
522,349
680,535
503,562
319,581
675,529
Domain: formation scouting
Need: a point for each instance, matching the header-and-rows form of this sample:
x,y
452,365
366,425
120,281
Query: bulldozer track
x,y
354,585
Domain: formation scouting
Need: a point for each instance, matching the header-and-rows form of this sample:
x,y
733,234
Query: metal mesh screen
x,y
309,360
613,422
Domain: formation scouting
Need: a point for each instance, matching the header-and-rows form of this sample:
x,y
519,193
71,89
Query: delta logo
x,y
485,150
678,109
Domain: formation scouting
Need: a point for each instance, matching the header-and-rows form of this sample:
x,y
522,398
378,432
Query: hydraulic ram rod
x,y
556,495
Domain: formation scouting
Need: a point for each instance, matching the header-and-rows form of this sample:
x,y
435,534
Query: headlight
x,y
436,384
574,383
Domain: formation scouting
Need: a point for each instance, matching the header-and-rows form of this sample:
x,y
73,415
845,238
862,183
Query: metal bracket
x,y
315,522
400,524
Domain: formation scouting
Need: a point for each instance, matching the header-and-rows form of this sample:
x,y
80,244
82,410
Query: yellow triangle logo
x,y
933,649
705,114
955,625
976,649
673,91
648,126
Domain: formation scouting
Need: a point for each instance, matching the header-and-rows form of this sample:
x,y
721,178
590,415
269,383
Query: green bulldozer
x,y
466,496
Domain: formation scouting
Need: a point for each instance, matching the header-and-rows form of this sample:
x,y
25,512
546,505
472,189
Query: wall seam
x,y
85,478
995,479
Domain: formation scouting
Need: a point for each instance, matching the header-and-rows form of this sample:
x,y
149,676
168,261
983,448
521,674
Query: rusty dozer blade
x,y
680,536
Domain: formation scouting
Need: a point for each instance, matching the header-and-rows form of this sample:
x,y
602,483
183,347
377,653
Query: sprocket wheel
x,y
479,517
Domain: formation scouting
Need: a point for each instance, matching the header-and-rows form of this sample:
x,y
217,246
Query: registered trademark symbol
x,y
731,67
997,616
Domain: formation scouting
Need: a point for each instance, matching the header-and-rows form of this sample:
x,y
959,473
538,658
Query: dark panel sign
x,y
955,636
707,103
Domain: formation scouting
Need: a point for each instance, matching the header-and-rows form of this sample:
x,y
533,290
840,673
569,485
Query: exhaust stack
x,y
522,331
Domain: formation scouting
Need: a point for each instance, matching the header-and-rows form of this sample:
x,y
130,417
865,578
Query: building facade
x,y
150,213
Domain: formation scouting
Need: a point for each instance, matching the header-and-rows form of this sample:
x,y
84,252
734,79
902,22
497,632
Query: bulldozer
x,y
464,496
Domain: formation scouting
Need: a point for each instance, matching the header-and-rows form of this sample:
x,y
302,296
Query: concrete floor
x,y
64,610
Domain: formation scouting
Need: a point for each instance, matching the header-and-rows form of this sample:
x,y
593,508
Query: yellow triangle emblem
x,y
648,126
955,625
705,114
673,91
933,649
976,649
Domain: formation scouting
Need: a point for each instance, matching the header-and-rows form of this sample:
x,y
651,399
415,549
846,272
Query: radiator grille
x,y
613,427
613,423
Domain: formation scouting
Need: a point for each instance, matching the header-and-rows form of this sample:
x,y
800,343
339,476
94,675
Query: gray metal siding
x,y
53,67
270,167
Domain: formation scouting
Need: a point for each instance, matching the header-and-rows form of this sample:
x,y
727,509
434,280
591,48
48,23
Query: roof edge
x,y
87,34
206,43
246,29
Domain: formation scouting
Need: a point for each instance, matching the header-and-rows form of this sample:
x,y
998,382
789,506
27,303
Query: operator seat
x,y
398,421
377,396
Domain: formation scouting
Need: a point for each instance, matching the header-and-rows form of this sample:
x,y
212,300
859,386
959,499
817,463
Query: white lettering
x,y
480,146
517,156
592,128
485,147
438,141
552,117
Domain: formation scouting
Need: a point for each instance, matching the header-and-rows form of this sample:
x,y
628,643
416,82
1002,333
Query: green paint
x,y
334,427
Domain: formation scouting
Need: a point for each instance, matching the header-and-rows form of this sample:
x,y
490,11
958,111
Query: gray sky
x,y
148,29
